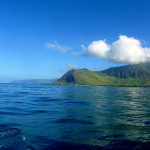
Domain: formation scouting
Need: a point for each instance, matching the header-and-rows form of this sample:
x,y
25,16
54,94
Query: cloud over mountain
x,y
124,50
69,67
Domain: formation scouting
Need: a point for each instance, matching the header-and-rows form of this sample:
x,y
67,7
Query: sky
x,y
42,39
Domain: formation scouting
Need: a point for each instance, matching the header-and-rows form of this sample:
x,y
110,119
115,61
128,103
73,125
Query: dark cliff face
x,y
68,77
130,71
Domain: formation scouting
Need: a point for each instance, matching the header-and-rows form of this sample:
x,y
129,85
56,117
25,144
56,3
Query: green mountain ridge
x,y
130,71
130,75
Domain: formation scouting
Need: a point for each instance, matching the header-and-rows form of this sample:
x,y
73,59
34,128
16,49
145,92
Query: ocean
x,y
55,117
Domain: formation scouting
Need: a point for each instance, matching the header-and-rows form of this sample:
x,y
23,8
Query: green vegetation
x,y
130,75
130,71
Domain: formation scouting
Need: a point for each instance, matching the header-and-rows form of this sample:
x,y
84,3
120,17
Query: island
x,y
137,75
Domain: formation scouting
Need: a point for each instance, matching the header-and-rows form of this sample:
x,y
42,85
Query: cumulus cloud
x,y
99,48
56,46
124,50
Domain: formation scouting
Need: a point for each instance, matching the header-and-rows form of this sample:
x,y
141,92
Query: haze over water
x,y
74,117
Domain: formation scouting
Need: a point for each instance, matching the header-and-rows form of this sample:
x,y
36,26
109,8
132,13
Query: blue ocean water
x,y
53,117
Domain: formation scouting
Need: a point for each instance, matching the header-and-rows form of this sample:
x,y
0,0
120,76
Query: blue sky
x,y
39,38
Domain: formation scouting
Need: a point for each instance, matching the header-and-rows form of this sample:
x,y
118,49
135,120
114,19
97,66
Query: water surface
x,y
46,117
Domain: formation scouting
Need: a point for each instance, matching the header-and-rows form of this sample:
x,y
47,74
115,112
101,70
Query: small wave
x,y
7,113
47,99
11,139
78,102
73,121
18,102
9,132
39,111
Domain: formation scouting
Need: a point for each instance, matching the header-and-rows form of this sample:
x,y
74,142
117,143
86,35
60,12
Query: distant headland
x,y
137,75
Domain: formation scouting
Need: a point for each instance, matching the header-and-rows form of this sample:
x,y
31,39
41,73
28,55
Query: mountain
x,y
35,81
129,75
130,71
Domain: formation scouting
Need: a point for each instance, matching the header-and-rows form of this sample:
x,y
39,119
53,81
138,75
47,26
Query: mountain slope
x,y
130,71
130,75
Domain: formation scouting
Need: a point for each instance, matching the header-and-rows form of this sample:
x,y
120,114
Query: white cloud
x,y
98,68
124,50
69,67
83,46
56,46
99,49
83,53
128,50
